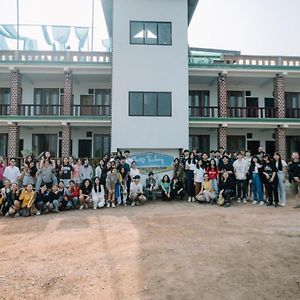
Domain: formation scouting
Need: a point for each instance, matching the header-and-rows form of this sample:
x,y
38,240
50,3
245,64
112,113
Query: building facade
x,y
151,94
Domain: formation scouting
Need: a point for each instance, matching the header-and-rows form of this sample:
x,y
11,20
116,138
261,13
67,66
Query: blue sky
x,y
269,27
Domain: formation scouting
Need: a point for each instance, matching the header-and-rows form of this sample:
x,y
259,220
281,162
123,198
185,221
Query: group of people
x,y
44,185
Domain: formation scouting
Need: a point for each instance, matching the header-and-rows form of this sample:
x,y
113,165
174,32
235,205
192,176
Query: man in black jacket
x,y
294,175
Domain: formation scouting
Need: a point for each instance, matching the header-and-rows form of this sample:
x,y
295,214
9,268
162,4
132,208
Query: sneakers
x,y
282,204
193,199
189,199
113,205
38,213
239,200
125,204
254,202
81,207
133,204
261,203
108,205
245,201
95,207
275,204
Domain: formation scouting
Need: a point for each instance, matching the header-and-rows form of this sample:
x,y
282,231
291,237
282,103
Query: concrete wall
x,y
149,68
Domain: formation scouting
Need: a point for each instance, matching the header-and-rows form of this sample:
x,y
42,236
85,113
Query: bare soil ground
x,y
175,250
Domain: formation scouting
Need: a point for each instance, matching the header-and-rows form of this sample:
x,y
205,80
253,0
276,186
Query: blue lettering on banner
x,y
153,160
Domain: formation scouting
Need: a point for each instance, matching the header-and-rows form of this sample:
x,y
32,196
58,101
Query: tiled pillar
x,y
222,137
66,141
280,141
13,140
15,92
68,91
279,95
222,95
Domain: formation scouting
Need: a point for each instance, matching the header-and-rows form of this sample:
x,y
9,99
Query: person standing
x,y
12,172
66,172
281,166
294,175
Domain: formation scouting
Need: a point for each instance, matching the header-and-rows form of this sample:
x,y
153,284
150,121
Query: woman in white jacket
x,y
98,194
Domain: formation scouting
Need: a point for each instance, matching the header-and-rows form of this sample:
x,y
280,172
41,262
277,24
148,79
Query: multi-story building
x,y
151,94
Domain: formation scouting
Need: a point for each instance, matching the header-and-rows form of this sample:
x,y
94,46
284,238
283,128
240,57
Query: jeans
x,y
257,188
281,187
190,187
215,185
241,184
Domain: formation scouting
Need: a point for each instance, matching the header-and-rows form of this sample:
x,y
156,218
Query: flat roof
x,y
107,6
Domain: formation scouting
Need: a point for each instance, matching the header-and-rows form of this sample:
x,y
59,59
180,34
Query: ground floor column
x,y
222,137
280,141
66,140
13,140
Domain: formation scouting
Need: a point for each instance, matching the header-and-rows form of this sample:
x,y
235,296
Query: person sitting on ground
x,y
26,199
227,188
55,198
166,188
136,191
207,191
150,186
85,194
177,189
98,194
71,197
4,196
42,198
12,196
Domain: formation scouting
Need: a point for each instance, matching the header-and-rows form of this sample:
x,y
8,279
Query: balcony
x,y
57,110
251,112
55,57
204,112
292,113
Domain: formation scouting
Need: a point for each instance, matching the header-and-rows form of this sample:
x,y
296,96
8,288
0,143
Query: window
x,y
4,101
200,142
103,101
292,101
150,104
101,145
46,101
236,103
3,144
293,145
44,142
236,143
150,33
199,104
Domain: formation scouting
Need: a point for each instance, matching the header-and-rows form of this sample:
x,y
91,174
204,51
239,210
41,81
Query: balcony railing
x,y
292,112
204,112
251,112
4,109
57,110
91,110
55,56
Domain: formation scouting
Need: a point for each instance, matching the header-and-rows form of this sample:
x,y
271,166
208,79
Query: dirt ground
x,y
175,250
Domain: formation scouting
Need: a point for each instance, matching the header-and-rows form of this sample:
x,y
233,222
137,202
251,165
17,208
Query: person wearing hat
x,y
136,191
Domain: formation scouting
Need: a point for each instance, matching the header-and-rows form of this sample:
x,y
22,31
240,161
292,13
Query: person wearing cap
x,y
136,191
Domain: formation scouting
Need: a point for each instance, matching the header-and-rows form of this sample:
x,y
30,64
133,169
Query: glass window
x,y
150,104
46,101
136,104
44,142
200,142
150,33
3,144
164,34
137,35
164,104
101,145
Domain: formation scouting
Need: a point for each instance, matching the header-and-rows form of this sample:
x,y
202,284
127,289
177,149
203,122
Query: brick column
x,y
13,140
280,141
15,92
279,95
68,91
222,95
222,137
66,140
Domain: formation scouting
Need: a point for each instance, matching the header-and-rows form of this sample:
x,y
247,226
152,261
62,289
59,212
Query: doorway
x,y
252,146
85,148
252,107
270,147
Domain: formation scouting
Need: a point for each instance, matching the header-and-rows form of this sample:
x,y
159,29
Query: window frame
x,y
143,104
144,35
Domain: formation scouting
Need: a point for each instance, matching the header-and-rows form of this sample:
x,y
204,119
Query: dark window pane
x,y
164,34
151,33
150,104
137,34
135,104
164,104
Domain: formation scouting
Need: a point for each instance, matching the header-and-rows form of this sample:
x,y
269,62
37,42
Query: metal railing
x,y
251,112
204,112
55,56
292,113
4,109
91,110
